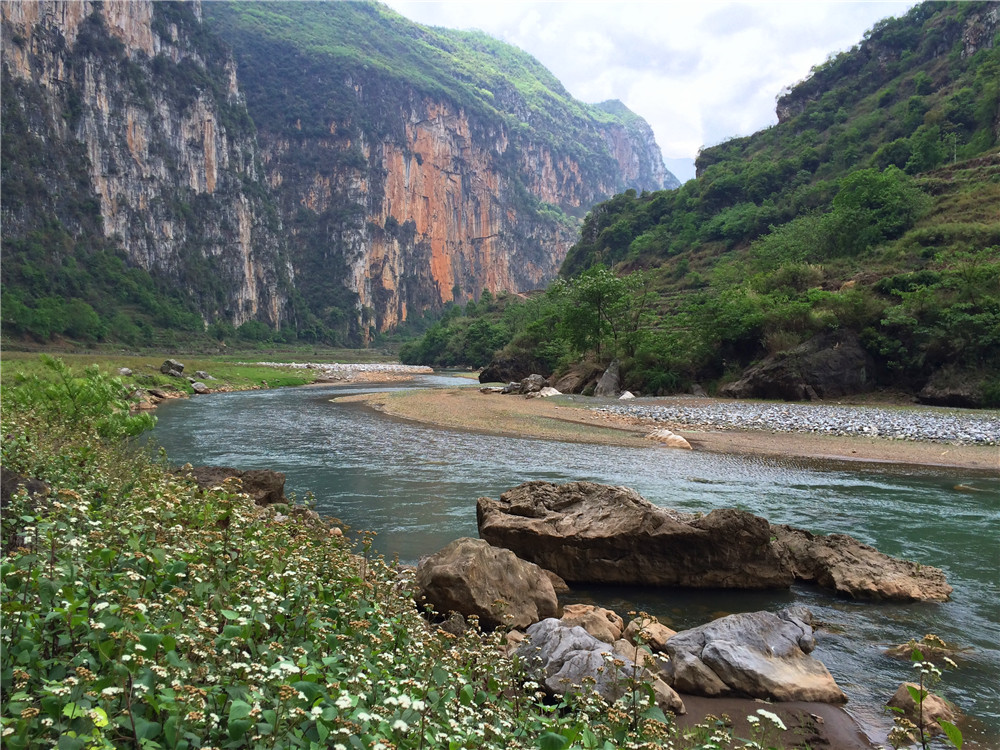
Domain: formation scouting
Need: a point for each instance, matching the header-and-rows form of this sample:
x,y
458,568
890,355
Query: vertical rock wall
x,y
171,151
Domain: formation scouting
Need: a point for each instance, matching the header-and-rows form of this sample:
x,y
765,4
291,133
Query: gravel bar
x,y
337,367
927,424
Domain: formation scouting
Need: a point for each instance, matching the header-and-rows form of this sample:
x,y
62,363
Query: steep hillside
x,y
872,210
417,166
132,193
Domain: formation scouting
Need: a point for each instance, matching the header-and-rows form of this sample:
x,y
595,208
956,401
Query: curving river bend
x,y
416,486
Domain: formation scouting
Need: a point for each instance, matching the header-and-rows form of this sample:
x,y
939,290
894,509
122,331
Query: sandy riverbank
x,y
567,418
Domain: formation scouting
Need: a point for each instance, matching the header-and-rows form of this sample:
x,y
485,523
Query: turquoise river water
x,y
416,486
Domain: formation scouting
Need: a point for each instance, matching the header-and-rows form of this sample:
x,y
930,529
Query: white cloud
x,y
698,72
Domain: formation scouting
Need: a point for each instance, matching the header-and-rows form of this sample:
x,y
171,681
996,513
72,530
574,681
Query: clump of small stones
x,y
928,424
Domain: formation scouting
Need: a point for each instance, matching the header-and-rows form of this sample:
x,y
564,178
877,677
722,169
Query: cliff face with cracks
x,y
387,169
416,194
430,218
132,97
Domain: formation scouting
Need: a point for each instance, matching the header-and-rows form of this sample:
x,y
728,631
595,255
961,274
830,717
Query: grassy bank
x,y
229,374
142,611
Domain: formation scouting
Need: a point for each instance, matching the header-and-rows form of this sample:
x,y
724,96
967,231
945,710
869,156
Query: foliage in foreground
x,y
141,611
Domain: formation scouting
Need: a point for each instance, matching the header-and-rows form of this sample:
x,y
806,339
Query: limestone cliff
x,y
349,170
143,107
421,166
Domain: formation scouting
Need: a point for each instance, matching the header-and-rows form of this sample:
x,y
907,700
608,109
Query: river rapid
x,y
416,486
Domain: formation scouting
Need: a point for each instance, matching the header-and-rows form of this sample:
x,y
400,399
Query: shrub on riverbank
x,y
139,610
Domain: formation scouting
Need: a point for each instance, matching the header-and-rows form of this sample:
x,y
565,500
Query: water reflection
x,y
417,488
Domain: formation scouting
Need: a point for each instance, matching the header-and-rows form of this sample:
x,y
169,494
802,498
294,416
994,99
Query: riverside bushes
x,y
141,611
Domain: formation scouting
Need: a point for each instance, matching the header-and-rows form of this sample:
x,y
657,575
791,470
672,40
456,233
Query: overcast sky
x,y
698,71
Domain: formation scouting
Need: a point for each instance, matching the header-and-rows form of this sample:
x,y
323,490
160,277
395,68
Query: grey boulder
x,y
172,367
753,654
565,659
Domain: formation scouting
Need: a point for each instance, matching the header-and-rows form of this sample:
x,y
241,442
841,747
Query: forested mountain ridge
x,y
382,168
871,209
425,165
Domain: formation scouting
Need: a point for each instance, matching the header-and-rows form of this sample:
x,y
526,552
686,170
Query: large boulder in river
x,y
847,566
471,577
263,485
565,658
827,366
754,654
594,533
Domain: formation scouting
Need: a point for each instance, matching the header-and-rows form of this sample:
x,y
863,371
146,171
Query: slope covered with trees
x,y
873,206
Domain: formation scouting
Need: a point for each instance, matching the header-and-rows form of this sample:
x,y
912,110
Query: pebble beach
x,y
949,426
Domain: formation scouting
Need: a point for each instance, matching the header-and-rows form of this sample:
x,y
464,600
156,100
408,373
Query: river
x,y
416,487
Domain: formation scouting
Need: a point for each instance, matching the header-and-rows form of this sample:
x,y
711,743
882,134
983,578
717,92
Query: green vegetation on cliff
x,y
871,206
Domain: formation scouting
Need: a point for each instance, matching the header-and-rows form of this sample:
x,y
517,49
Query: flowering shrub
x,y
142,611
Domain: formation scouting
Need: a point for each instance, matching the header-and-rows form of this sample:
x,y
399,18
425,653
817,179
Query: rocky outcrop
x,y
595,533
754,654
579,377
953,387
266,487
827,366
509,369
845,565
11,483
587,532
610,384
566,659
472,578
141,135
